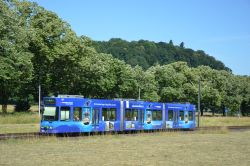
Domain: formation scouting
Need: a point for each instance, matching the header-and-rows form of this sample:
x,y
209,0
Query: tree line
x,y
37,47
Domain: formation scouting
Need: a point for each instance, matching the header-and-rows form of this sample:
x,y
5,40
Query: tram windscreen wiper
x,y
49,118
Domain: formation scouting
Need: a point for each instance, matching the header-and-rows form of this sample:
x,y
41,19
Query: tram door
x,y
148,116
95,118
175,118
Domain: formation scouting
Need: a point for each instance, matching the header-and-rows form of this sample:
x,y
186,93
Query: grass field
x,y
19,122
19,118
139,149
224,121
18,128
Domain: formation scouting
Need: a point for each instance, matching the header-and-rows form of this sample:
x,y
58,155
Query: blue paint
x,y
111,115
176,122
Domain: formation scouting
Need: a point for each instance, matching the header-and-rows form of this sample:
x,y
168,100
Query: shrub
x,y
22,106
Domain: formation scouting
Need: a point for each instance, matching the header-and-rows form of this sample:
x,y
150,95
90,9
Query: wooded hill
x,y
148,53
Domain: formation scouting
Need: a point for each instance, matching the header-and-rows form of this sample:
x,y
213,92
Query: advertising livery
x,y
69,114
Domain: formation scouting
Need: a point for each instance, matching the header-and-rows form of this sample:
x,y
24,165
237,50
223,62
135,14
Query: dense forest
x,y
37,47
147,53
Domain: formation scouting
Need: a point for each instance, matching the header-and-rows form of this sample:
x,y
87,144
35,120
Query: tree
x,y
170,80
147,84
244,92
54,46
171,42
15,60
245,107
211,97
56,50
182,45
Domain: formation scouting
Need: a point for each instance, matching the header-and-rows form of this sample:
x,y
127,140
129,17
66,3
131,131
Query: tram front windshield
x,y
50,114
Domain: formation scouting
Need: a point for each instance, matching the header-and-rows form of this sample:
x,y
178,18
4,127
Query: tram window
x,y
112,114
50,113
105,114
181,115
65,113
156,114
170,115
77,113
135,114
142,116
95,115
190,115
109,114
128,114
131,114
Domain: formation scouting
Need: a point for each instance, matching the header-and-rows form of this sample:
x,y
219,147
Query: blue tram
x,y
67,114
73,115
140,115
180,116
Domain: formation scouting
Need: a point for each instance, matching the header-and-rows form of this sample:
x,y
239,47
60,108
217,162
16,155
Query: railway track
x,y
230,128
20,135
39,135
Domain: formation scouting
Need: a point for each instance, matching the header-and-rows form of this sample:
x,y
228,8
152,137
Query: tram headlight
x,y
45,127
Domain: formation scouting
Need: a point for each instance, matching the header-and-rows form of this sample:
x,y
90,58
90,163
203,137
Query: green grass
x,y
12,117
18,128
224,121
140,149
19,118
19,122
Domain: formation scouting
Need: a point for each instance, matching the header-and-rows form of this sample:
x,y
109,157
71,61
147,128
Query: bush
x,y
22,106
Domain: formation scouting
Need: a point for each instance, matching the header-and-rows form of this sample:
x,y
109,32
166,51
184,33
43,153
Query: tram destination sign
x,y
49,101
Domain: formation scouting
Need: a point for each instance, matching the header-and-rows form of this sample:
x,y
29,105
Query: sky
x,y
219,27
